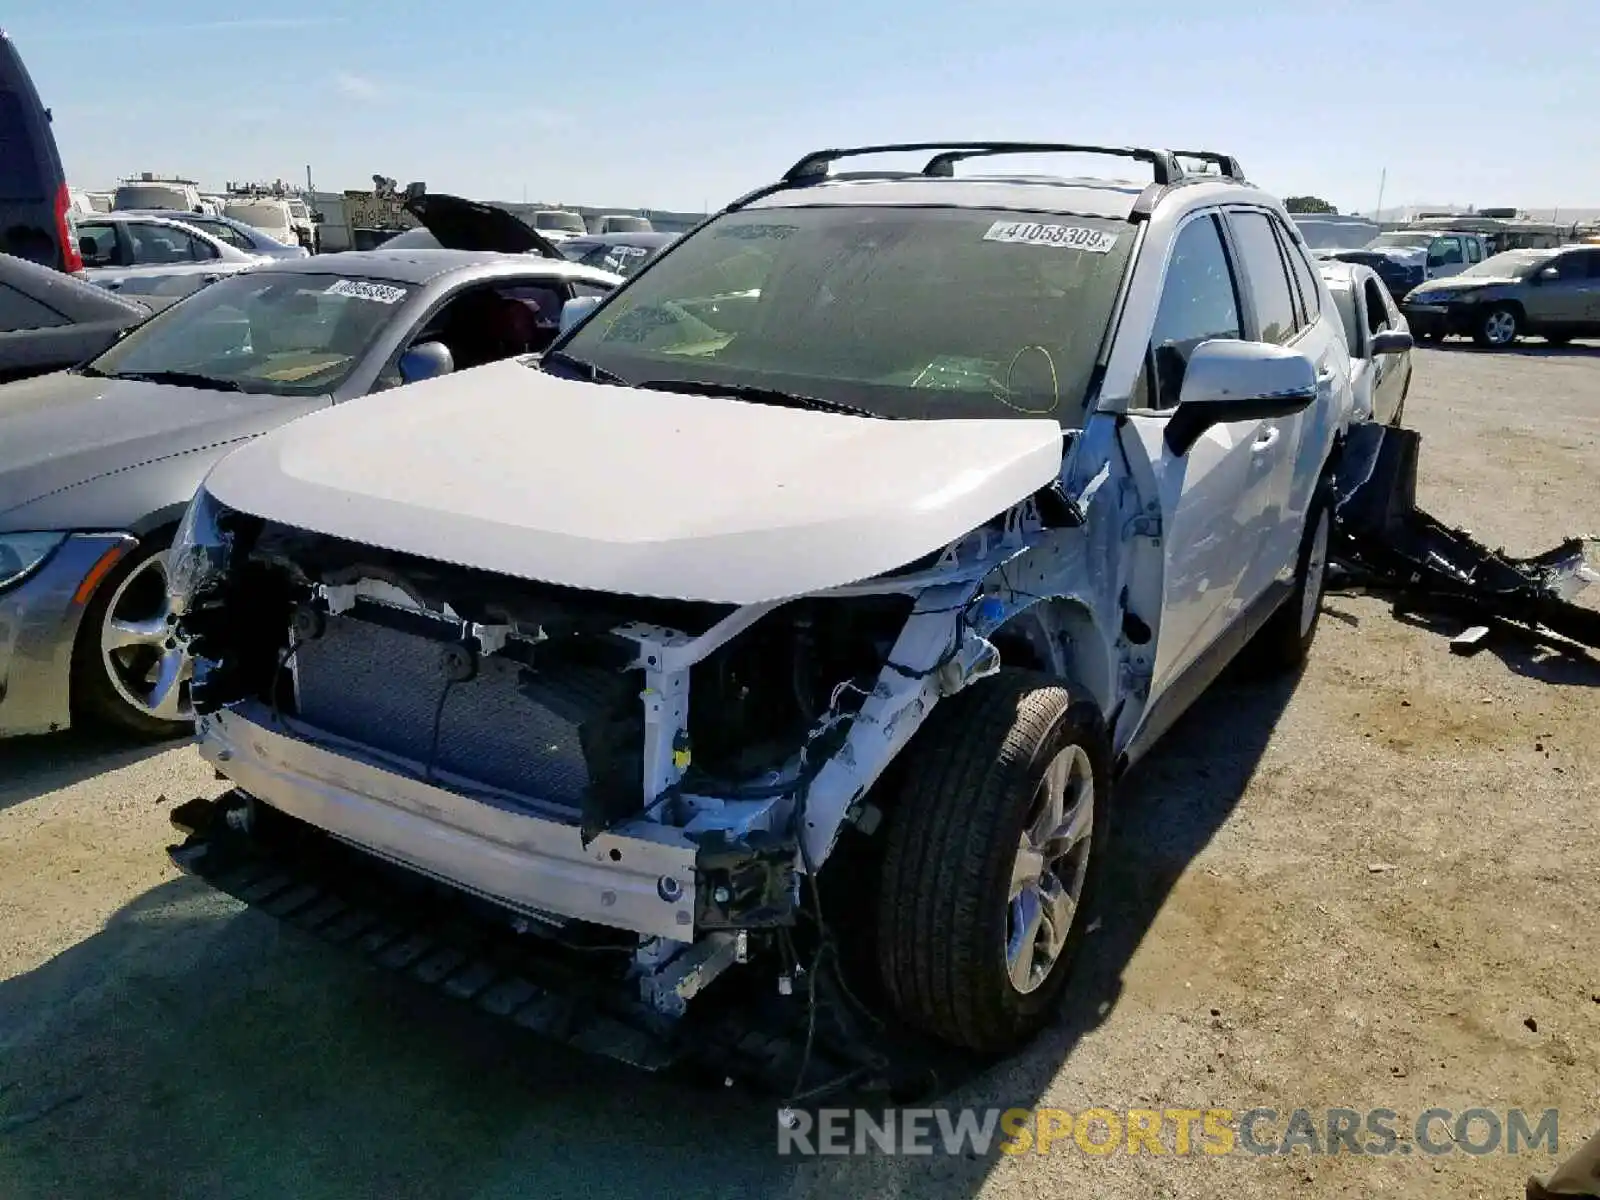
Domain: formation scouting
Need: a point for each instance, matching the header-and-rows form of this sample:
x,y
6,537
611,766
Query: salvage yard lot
x,y
1379,889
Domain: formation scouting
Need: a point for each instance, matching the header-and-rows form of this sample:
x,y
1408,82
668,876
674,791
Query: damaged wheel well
x,y
1059,637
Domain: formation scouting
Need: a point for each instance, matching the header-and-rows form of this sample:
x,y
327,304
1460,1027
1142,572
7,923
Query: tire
x,y
973,800
1498,327
1284,642
106,680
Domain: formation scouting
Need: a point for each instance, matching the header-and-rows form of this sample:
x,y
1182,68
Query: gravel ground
x,y
1380,889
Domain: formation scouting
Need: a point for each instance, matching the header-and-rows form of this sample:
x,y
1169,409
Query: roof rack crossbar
x,y
816,164
1165,170
1226,163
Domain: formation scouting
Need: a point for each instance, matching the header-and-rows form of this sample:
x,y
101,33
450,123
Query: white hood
x,y
617,489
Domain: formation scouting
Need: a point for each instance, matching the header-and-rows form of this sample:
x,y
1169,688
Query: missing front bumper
x,y
640,878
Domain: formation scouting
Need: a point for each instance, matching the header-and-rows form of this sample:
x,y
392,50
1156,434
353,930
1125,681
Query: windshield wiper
x,y
596,374
180,379
757,395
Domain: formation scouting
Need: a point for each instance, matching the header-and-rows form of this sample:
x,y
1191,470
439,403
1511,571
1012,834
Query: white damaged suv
x,y
905,508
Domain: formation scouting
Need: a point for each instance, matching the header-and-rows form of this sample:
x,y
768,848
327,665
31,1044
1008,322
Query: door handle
x,y
1267,439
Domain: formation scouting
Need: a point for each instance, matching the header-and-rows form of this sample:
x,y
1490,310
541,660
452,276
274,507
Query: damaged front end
x,y
645,783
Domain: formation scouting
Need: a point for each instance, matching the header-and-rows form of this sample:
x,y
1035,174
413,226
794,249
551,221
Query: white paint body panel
x,y
623,490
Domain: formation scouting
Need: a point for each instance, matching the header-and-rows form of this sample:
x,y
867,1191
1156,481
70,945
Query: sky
x,y
686,105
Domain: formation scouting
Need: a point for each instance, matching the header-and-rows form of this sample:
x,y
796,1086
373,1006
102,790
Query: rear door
x,y
1286,303
1591,287
35,210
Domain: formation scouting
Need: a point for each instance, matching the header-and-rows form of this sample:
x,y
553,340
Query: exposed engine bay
x,y
547,737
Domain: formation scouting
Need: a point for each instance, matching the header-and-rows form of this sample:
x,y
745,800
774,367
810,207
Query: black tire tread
x,y
952,838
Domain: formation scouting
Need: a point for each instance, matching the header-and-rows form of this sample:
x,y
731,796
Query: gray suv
x,y
1552,293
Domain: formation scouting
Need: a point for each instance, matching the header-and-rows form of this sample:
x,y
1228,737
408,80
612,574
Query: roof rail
x,y
1226,163
815,164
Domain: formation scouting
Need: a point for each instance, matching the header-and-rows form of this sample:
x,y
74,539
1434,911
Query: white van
x,y
270,216
156,193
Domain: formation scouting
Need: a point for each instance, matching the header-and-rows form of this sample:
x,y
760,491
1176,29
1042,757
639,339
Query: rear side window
x,y
20,176
1310,297
1263,267
20,311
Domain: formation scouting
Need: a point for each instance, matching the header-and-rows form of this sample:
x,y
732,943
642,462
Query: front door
x,y
1562,302
1204,496
1446,257
1390,372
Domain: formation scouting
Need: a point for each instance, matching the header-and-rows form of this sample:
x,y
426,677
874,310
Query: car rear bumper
x,y
39,621
526,862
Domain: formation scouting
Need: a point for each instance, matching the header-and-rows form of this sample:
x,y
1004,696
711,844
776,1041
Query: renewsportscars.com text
x,y
1167,1131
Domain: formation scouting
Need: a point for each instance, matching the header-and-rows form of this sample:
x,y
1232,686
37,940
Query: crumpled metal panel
x,y
381,687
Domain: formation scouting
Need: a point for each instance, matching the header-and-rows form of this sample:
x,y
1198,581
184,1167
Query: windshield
x,y
561,222
1334,235
220,230
151,197
1513,264
1401,238
618,259
268,217
273,332
902,312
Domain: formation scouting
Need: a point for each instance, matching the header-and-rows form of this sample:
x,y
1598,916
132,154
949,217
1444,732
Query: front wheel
x,y
993,849
1497,328
128,668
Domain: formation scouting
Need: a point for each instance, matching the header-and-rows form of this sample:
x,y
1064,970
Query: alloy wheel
x,y
147,664
1048,873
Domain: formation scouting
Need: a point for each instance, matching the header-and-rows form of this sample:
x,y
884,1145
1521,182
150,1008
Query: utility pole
x,y
1383,178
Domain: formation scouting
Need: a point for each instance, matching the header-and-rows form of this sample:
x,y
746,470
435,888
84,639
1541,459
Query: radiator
x,y
519,728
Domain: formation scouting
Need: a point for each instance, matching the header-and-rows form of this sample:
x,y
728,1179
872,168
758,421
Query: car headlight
x,y
199,553
22,553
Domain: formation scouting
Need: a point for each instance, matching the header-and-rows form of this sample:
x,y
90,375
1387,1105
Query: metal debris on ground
x,y
1385,543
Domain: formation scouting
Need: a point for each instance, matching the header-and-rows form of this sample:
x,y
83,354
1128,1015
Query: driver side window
x,y
1199,302
1377,310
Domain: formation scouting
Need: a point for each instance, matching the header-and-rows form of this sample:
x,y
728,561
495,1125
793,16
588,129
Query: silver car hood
x,y
617,489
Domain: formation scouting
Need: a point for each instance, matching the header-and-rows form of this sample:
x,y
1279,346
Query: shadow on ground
x,y
32,766
1523,349
192,1050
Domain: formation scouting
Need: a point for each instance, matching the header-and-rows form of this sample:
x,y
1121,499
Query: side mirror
x,y
317,218
428,360
1229,381
574,311
1390,341
1550,273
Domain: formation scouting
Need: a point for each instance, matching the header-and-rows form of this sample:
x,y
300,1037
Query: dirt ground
x,y
1378,889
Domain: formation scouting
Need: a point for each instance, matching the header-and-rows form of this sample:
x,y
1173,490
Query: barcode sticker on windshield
x,y
383,293
1068,237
